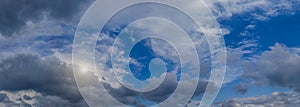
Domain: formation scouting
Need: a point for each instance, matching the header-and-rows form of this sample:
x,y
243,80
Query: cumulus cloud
x,y
278,67
29,98
277,99
48,76
15,14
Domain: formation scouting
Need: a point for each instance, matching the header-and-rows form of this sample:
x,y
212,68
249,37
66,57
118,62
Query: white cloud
x,y
32,98
18,97
228,8
277,99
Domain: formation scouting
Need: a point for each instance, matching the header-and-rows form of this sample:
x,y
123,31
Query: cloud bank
x,y
47,76
16,14
288,99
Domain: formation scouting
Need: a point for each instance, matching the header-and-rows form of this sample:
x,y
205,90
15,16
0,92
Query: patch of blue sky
x,y
143,54
283,28
228,92
237,25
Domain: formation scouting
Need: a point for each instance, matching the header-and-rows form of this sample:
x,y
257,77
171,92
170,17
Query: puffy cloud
x,y
48,76
288,99
229,103
279,67
30,98
276,67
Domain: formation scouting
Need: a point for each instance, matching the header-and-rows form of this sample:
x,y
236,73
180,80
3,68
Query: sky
x,y
261,38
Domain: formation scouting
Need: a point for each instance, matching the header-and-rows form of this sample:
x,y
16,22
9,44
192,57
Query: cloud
x,y
287,99
160,49
15,14
269,8
234,65
3,98
54,84
29,98
278,67
158,95
48,76
59,46
241,88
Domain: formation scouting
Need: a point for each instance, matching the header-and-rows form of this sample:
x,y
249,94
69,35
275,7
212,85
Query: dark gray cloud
x,y
48,76
15,13
157,95
3,97
128,96
277,67
241,88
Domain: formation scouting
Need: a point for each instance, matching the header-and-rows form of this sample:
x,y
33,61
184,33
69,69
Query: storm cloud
x,y
48,76
15,14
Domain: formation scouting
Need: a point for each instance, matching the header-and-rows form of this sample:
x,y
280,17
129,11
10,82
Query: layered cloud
x,y
47,76
277,99
16,14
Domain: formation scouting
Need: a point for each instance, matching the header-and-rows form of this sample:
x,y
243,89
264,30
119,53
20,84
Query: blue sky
x,y
263,53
